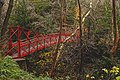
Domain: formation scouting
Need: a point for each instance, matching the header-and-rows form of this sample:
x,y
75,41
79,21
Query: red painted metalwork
x,y
19,48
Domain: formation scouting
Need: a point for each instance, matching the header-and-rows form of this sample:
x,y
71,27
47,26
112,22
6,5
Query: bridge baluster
x,y
37,41
44,41
28,40
36,38
10,41
19,47
50,40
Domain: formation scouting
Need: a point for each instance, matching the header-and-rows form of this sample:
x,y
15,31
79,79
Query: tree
x,y
80,42
115,29
80,22
5,23
1,5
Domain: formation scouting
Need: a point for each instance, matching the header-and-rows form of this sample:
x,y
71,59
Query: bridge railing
x,y
20,46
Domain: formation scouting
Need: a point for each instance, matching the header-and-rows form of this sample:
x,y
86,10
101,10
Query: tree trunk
x,y
89,25
58,45
5,23
64,12
80,22
1,5
115,28
80,43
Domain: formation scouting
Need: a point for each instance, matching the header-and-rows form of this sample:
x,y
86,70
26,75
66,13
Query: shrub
x,y
10,70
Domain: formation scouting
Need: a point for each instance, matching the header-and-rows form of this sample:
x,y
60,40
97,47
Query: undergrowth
x,y
10,70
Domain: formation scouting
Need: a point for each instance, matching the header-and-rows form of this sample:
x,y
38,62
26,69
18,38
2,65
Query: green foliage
x,y
96,59
9,70
103,17
118,78
106,12
39,65
49,25
43,10
42,7
20,15
112,73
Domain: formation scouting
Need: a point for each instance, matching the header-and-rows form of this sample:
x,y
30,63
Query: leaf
x,y
118,78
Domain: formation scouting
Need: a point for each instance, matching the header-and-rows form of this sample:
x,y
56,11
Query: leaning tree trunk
x,y
115,28
5,23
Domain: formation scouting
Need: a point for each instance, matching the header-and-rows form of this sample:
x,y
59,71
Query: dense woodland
x,y
95,56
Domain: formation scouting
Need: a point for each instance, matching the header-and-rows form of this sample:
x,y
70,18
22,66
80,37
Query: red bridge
x,y
23,42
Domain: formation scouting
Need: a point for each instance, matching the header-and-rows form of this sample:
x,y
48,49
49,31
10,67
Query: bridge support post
x,y
29,44
50,40
44,42
10,41
19,33
37,41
